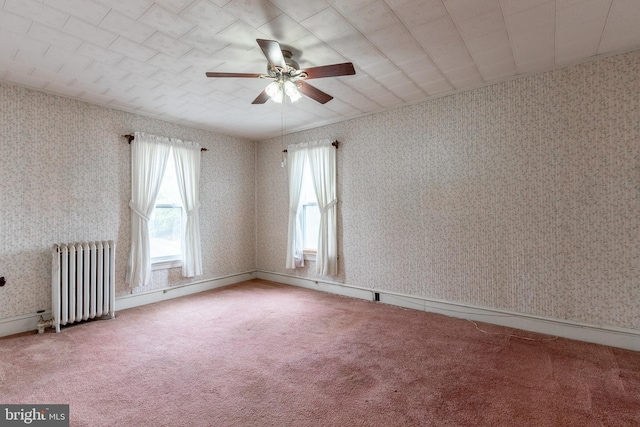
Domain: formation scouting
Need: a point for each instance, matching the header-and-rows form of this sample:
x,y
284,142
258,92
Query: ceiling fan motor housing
x,y
287,60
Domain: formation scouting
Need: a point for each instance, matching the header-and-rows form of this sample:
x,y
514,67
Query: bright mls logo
x,y
34,415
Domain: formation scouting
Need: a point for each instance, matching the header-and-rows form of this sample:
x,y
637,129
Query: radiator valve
x,y
44,324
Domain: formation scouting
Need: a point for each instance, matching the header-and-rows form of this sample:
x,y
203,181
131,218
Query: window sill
x,y
166,264
309,255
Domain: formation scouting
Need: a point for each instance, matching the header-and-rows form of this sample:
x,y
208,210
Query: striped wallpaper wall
x,y
521,196
65,176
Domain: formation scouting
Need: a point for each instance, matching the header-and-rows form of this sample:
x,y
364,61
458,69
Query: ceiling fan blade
x,y
344,69
314,93
272,51
215,74
262,98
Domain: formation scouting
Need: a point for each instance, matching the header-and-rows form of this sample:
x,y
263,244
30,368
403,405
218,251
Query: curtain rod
x,y
131,138
334,143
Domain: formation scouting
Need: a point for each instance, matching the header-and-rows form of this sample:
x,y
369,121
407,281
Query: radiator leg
x,y
44,324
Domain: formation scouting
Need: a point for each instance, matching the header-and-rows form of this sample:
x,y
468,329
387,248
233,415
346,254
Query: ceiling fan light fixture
x,y
274,90
291,89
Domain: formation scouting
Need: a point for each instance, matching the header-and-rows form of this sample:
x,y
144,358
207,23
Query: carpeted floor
x,y
266,354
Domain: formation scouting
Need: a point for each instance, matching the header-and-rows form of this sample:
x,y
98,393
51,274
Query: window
x,y
165,224
165,178
312,223
309,213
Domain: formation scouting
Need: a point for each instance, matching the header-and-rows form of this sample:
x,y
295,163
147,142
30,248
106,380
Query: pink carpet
x,y
266,354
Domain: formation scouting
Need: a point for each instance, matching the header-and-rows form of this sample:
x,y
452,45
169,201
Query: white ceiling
x,y
150,57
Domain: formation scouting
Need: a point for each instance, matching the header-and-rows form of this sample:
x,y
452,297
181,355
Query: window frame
x,y
169,261
309,254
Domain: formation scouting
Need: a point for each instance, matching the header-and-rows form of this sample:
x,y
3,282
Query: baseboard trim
x,y
29,322
157,295
598,334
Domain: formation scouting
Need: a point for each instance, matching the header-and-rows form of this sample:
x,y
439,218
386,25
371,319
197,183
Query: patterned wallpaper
x,y
65,177
522,196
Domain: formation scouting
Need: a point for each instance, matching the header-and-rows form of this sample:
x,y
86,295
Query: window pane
x,y
165,225
169,194
311,225
165,228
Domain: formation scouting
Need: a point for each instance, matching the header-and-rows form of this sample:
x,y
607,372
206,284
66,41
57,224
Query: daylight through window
x,y
165,225
310,213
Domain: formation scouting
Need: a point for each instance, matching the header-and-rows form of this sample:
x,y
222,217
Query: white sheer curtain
x,y
295,166
187,160
322,162
148,162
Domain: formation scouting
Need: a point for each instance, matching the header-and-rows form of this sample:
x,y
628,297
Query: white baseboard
x,y
29,322
605,335
135,300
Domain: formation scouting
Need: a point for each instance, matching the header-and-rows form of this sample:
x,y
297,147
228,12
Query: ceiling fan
x,y
287,76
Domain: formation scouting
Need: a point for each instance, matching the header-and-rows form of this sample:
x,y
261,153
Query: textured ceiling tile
x,y
419,12
348,6
201,60
79,74
62,89
14,23
88,32
208,15
137,67
101,69
381,69
25,80
253,12
373,17
37,11
486,23
300,10
391,36
407,91
326,23
55,37
56,53
51,77
491,47
464,77
168,45
89,11
32,48
436,87
201,36
99,54
532,36
621,30
205,39
579,29
175,6
493,71
241,35
131,8
172,79
126,47
511,7
461,10
163,20
120,24
283,29
420,67
315,52
406,53
18,67
168,63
